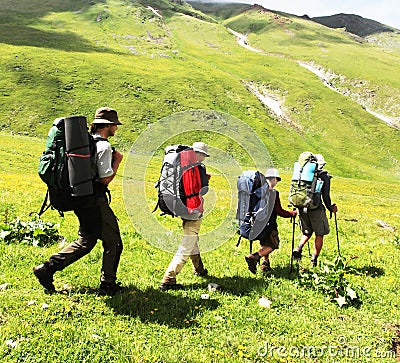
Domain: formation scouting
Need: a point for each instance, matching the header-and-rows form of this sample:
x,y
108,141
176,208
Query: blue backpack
x,y
253,219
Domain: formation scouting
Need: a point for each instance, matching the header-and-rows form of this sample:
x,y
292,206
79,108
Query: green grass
x,y
57,59
144,324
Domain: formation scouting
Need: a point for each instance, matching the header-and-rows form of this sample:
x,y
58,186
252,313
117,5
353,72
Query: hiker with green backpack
x,y
96,218
312,213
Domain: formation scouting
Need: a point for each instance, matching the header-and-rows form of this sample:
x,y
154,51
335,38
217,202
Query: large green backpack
x,y
56,163
305,187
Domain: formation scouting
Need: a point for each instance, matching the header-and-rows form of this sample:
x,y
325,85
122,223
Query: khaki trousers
x,y
189,248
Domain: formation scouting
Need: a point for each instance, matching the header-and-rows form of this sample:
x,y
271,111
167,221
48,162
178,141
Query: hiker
x,y
315,220
96,221
189,247
269,238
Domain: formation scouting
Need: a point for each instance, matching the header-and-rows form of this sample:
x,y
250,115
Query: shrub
x,y
330,279
35,232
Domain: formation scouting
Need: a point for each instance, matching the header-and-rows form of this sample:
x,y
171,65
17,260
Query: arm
x,y
116,160
279,210
204,179
325,192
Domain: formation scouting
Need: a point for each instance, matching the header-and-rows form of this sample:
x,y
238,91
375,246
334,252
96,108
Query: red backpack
x,y
179,184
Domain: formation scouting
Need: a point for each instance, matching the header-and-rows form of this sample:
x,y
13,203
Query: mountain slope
x,y
353,24
151,59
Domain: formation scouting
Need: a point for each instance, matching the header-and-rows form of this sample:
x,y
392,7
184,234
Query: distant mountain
x,y
354,24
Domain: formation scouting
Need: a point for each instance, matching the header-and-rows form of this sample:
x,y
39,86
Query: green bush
x,y
330,279
35,233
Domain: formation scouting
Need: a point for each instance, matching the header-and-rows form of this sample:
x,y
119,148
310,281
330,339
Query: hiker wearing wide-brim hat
x,y
189,246
97,220
268,236
106,115
201,148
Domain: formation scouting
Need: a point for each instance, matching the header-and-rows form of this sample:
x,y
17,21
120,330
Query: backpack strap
x,y
44,206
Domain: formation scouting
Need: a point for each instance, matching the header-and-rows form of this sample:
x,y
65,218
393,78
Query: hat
x,y
320,161
106,115
201,147
272,173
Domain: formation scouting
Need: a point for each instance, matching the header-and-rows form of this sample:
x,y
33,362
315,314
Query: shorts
x,y
270,239
314,221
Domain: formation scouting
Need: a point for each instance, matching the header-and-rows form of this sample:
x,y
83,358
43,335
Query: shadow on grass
x,y
27,36
370,271
173,308
18,25
176,308
233,285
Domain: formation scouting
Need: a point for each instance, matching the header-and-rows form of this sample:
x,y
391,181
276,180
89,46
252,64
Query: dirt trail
x,y
274,105
242,40
325,80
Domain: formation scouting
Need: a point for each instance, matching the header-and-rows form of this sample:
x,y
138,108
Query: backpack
x,y
253,217
179,183
68,166
305,186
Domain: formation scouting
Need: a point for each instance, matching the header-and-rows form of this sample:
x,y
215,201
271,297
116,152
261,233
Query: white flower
x,y
264,302
11,343
45,306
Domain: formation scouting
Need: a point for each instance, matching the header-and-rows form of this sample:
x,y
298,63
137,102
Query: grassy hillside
x,y
61,58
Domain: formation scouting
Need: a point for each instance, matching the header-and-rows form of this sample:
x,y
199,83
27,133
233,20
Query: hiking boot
x,y
45,277
110,288
165,286
202,273
266,266
252,263
314,261
297,253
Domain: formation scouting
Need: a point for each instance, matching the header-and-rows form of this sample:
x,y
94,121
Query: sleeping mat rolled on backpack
x,y
78,155
68,165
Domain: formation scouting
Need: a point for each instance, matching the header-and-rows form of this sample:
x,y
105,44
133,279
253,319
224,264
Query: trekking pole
x,y
291,253
337,236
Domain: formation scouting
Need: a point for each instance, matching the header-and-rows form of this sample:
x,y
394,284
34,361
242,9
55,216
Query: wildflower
x,y
11,343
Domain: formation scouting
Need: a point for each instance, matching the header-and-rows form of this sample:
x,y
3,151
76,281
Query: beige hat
x,y
320,161
106,115
272,173
201,147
